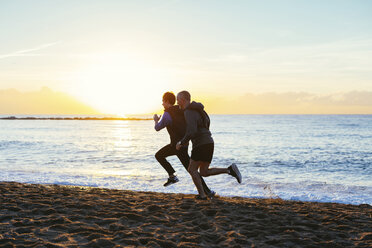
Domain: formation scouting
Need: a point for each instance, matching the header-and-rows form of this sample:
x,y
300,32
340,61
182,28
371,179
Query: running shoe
x,y
234,171
211,194
198,197
171,180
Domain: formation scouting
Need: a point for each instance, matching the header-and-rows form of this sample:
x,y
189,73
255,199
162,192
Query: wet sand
x,y
63,216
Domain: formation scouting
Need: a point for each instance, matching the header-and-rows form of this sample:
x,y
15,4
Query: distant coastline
x,y
76,118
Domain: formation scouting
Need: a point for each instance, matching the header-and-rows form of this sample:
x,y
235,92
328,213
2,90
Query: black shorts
x,y
203,153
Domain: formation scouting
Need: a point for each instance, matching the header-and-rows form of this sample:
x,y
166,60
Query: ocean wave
x,y
348,125
252,187
7,144
275,157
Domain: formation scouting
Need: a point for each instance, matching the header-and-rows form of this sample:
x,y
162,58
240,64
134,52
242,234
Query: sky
x,y
119,57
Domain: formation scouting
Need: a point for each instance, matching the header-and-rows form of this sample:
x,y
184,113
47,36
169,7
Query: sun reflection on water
x,y
122,135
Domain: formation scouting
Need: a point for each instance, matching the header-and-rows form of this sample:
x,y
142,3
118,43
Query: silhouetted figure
x,y
173,119
197,130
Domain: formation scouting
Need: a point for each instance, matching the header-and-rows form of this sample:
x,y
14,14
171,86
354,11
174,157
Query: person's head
x,y
183,99
168,99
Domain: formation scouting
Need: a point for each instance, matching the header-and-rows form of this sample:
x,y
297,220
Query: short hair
x,y
169,97
185,95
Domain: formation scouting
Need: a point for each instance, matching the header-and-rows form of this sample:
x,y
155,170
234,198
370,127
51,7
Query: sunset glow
x,y
117,84
119,57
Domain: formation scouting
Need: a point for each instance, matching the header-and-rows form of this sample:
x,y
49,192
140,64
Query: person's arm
x,y
191,118
165,120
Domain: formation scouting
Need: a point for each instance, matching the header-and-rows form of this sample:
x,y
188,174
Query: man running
x,y
197,121
173,119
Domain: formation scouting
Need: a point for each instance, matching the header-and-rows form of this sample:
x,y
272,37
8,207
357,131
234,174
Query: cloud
x,y
355,102
44,101
337,58
47,101
27,52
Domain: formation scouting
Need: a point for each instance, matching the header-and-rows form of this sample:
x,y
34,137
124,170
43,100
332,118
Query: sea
x,y
322,158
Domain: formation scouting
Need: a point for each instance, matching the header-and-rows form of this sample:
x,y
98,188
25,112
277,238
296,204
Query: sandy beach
x,y
34,215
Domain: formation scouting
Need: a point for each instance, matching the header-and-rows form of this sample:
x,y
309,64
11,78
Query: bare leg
x,y
193,170
205,171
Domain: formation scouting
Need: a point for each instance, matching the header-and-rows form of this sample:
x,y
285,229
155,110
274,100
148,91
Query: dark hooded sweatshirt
x,y
178,127
197,126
